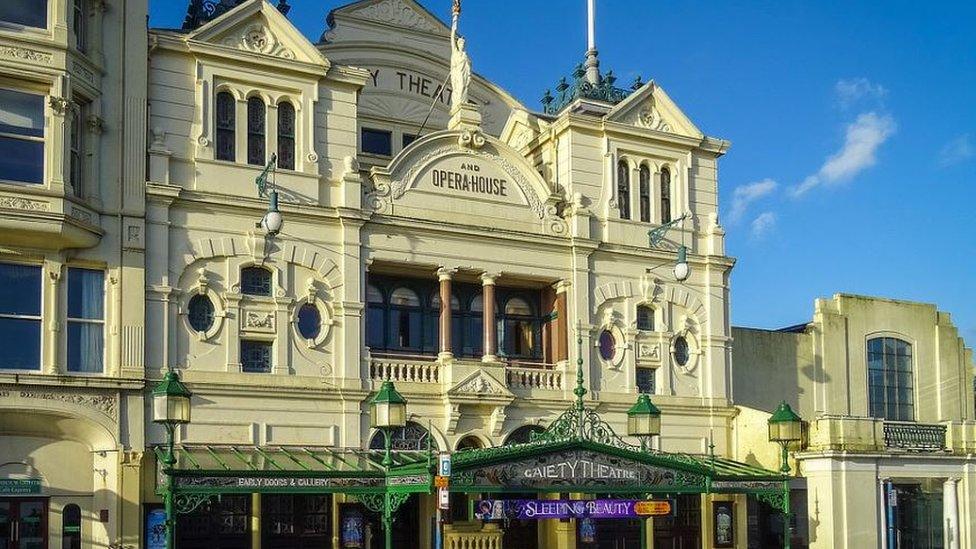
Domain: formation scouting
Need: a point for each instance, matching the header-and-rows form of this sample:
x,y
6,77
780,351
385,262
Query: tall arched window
x,y
645,194
225,116
623,189
890,380
256,281
665,195
473,327
286,136
255,131
521,330
375,315
71,527
405,320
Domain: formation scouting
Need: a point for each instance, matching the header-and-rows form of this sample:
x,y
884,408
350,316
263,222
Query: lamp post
x,y
387,412
785,427
171,407
643,422
272,220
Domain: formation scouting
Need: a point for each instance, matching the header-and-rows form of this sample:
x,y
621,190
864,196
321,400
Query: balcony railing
x,y
404,369
465,536
915,437
527,377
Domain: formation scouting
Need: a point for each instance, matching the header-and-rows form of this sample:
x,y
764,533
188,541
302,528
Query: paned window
x,y
377,142
20,316
255,131
645,318
256,281
681,351
30,13
890,383
86,320
645,194
286,136
520,333
21,135
309,321
623,189
646,380
474,327
71,527
256,356
223,522
226,115
405,319
296,520
79,24
200,313
76,144
665,195
375,318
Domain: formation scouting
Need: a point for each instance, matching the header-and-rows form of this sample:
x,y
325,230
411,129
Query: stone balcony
x,y
524,378
874,435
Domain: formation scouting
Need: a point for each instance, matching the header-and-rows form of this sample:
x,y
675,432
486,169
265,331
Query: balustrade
x,y
405,369
518,377
919,437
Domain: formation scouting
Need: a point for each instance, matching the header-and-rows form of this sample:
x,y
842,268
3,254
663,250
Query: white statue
x,y
460,63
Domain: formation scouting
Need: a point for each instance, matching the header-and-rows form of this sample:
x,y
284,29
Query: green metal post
x,y
785,469
643,533
387,511
169,460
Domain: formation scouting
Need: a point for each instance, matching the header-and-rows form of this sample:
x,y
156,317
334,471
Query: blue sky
x,y
853,128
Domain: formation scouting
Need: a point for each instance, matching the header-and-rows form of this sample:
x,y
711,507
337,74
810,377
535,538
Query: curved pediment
x,y
466,177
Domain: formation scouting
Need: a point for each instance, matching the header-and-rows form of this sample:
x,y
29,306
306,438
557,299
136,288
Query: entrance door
x,y
23,523
919,518
615,534
296,521
223,524
683,530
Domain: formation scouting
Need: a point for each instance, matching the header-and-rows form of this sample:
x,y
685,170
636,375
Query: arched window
x,y
522,435
286,136
520,329
405,320
255,131
645,194
473,327
225,115
411,436
71,527
665,195
375,315
623,189
645,318
256,281
890,382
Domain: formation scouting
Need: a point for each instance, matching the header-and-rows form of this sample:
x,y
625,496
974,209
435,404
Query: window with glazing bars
x,y
286,136
890,383
255,131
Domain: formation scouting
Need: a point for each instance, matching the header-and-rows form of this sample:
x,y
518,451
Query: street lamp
x,y
785,427
387,412
681,268
272,220
644,420
171,408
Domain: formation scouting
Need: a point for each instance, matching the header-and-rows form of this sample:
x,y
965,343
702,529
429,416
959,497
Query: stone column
x,y
255,521
444,275
950,513
491,331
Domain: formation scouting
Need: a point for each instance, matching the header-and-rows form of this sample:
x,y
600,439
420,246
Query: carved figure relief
x,y
257,38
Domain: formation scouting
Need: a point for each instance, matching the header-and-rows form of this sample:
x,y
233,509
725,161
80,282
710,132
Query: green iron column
x,y
785,469
387,504
169,460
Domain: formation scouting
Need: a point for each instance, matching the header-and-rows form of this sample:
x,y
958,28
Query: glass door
x,y
23,524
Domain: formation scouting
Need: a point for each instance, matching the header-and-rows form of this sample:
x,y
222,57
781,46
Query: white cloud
x,y
763,223
850,91
744,195
958,150
864,136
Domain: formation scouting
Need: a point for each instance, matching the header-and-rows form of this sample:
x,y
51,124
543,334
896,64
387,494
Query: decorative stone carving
x,y
95,124
649,351
101,401
17,203
58,104
479,385
25,54
396,13
82,215
259,319
471,139
259,39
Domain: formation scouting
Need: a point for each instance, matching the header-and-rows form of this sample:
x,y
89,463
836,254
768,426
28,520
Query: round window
x,y
200,313
309,321
681,353
608,345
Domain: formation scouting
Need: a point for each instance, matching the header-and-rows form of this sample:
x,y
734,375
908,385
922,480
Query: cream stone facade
x,y
888,456
72,241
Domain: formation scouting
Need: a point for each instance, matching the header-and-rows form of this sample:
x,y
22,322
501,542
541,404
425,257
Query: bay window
x,y
29,13
20,316
86,320
21,137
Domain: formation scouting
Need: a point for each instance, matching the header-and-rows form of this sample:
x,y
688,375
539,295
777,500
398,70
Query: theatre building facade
x,y
492,262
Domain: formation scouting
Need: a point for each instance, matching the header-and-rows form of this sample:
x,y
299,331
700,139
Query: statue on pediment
x,y
460,63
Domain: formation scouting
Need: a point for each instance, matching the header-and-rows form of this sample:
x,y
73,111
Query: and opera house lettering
x,y
468,180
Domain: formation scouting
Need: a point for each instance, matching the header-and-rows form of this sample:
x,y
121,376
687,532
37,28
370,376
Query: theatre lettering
x,y
469,181
580,468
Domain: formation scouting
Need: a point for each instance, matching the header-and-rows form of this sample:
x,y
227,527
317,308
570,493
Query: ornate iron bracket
x,y
773,499
376,502
657,234
188,503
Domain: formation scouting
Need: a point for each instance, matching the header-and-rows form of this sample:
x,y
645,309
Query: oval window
x,y
309,321
200,312
681,353
608,345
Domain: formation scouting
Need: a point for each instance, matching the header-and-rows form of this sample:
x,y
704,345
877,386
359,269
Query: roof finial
x,y
579,391
592,63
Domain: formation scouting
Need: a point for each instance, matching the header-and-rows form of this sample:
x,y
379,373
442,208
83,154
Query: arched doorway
x,y
522,435
412,518
460,501
521,533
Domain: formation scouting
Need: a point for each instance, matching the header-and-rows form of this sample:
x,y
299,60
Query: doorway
x,y
918,517
614,534
220,523
296,521
681,530
23,523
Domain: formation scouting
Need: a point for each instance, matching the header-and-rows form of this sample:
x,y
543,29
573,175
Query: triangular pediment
x,y
480,384
651,108
403,14
258,27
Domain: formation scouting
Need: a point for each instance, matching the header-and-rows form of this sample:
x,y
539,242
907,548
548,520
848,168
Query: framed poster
x,y
155,527
723,524
352,526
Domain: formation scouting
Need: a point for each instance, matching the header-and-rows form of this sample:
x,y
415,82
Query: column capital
x,y
562,286
445,273
488,279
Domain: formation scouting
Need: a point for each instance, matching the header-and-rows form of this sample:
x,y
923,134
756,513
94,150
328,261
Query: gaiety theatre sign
x,y
579,469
